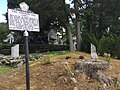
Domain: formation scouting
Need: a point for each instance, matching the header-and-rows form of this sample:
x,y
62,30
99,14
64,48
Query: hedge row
x,y
110,45
87,40
6,48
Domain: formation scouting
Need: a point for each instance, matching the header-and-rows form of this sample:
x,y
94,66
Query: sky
x,y
3,9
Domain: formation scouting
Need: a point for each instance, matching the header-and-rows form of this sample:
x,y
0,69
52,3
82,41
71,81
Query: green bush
x,y
87,40
6,48
107,57
1,46
110,45
46,47
6,51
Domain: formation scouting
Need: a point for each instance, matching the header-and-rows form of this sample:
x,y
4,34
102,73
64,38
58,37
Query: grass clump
x,y
68,69
107,57
5,70
45,61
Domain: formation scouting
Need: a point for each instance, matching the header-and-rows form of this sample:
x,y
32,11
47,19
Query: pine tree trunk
x,y
69,34
78,34
70,39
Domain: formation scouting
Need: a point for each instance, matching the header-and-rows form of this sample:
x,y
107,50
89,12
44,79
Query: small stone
x,y
65,79
75,88
1,56
76,71
37,74
66,63
104,86
74,80
20,64
3,61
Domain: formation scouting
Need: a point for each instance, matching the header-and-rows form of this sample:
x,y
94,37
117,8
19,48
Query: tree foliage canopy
x,y
3,31
97,17
101,17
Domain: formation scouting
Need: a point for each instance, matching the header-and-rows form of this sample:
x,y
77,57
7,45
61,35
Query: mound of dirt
x,y
58,75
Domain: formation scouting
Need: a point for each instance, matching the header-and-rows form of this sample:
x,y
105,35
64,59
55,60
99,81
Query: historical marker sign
x,y
21,20
24,20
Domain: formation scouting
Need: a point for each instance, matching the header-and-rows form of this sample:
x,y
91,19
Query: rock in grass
x,y
74,80
75,88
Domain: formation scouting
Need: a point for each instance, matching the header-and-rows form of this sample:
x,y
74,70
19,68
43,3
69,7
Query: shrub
x,y
87,40
110,45
6,51
117,46
6,48
1,46
46,47
107,57
106,44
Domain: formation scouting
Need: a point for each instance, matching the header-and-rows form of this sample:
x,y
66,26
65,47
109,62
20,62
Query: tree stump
x,y
94,69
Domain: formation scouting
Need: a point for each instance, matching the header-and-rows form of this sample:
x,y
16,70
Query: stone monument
x,y
94,55
52,37
15,51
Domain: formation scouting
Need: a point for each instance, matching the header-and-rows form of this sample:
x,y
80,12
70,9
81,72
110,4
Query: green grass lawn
x,y
5,70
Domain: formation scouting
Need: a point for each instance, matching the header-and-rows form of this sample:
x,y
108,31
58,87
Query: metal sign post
x,y
24,20
27,60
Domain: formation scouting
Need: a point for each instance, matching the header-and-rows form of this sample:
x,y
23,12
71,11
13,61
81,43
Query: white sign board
x,y
15,51
20,20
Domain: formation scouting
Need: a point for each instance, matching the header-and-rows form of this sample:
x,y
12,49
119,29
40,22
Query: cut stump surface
x,y
94,69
